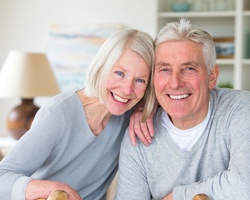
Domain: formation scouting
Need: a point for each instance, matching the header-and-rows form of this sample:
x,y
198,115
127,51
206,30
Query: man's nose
x,y
176,80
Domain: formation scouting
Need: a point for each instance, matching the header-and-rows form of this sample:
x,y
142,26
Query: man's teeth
x,y
183,96
117,98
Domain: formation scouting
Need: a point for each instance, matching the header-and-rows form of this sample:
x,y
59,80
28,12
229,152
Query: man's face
x,y
182,83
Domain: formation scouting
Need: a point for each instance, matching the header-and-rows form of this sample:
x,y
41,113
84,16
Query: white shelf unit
x,y
225,23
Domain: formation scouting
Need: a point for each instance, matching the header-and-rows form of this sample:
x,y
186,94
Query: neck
x,y
97,114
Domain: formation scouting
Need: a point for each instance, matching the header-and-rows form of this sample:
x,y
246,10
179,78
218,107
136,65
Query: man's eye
x,y
189,68
119,73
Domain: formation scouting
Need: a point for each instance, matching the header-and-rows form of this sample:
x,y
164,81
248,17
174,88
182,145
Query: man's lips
x,y
120,99
178,97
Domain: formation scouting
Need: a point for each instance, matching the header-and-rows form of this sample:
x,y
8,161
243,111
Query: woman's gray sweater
x,y
61,147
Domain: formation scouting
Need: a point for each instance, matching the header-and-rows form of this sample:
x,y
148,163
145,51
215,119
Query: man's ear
x,y
213,76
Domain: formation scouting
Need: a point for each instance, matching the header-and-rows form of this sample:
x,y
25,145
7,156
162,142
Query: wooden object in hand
x,y
57,195
200,197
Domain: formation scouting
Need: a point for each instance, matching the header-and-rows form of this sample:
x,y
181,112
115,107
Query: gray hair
x,y
183,30
102,64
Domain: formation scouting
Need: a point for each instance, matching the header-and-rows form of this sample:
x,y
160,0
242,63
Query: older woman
x,y
74,141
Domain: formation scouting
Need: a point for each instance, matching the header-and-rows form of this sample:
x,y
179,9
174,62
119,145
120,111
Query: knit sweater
x,y
218,164
61,147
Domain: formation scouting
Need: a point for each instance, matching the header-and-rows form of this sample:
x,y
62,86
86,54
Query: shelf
x,y
225,61
224,23
246,61
246,13
211,14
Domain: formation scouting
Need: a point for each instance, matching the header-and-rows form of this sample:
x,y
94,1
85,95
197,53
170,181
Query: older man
x,y
202,133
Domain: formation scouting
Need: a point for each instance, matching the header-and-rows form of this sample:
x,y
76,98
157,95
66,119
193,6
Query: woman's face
x,y
126,83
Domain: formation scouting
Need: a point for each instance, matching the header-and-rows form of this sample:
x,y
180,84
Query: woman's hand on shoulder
x,y
143,130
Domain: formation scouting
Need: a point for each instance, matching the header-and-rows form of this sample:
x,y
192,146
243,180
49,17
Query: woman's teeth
x,y
117,98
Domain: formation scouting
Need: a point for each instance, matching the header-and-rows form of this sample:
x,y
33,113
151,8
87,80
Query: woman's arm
x,y
143,130
29,154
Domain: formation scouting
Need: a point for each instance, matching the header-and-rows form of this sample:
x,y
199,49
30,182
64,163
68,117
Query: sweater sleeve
x,y
132,179
232,183
29,154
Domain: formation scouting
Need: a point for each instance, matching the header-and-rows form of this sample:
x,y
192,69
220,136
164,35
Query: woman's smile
x,y
118,98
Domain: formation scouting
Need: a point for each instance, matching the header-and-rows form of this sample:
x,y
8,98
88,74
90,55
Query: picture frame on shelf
x,y
224,47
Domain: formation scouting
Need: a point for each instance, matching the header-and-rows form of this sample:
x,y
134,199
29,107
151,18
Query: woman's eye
x,y
119,73
141,80
164,69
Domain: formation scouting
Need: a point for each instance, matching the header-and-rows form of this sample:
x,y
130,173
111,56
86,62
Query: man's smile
x,y
182,96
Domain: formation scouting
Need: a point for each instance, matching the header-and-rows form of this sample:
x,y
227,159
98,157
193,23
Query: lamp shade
x,y
27,75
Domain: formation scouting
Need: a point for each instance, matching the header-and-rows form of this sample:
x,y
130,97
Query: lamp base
x,y
20,118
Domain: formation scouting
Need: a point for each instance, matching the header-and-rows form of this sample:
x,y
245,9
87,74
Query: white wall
x,y
24,25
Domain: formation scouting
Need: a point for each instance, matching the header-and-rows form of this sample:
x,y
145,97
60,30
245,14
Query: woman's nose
x,y
127,87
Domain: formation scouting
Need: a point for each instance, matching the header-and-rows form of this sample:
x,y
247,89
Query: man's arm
x,y
132,179
233,182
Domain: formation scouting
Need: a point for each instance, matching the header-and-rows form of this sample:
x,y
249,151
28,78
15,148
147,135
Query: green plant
x,y
225,85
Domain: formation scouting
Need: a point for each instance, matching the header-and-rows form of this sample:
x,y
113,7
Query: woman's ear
x,y
213,76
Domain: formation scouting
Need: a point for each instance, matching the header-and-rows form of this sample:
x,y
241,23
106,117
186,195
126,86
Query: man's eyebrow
x,y
162,64
190,63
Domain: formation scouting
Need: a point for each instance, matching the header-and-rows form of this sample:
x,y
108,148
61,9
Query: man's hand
x,y
143,130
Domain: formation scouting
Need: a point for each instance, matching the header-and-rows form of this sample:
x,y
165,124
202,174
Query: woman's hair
x,y
102,64
186,31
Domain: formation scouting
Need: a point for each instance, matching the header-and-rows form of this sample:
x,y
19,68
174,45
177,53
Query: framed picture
x,y
224,47
71,48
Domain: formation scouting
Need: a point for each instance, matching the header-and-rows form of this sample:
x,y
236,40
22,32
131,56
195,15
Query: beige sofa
x,y
112,189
